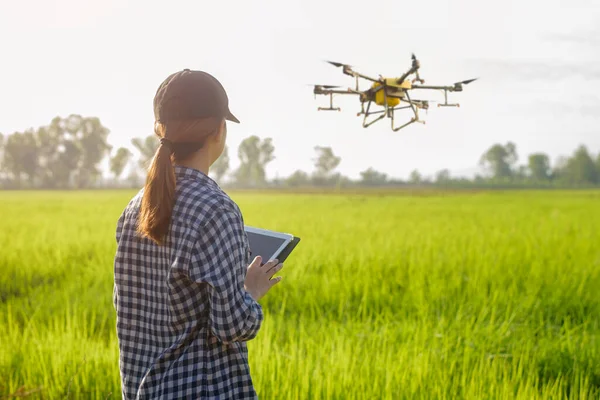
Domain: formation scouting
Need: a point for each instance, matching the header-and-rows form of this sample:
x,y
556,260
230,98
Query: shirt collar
x,y
182,172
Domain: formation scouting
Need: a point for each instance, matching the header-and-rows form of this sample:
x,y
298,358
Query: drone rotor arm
x,y
347,69
433,87
368,78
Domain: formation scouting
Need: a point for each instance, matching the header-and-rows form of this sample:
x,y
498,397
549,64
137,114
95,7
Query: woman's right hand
x,y
258,277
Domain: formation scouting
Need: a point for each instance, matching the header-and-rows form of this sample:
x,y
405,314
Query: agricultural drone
x,y
388,93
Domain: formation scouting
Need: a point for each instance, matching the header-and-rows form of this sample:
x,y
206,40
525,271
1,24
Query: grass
x,y
439,296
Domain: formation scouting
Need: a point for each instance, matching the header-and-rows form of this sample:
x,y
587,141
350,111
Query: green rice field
x,y
389,295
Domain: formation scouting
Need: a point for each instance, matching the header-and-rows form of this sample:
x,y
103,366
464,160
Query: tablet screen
x,y
264,245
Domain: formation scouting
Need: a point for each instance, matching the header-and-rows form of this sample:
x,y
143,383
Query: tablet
x,y
270,244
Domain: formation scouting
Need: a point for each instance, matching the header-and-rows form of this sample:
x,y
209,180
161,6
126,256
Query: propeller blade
x,y
467,81
337,64
415,62
326,86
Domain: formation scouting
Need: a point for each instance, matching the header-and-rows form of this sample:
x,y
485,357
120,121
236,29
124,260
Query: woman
x,y
186,293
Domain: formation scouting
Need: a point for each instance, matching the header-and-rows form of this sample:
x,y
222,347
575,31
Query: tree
x,y
298,178
147,148
1,151
21,156
70,150
326,161
254,156
415,177
539,167
221,165
442,176
92,137
558,174
2,170
581,168
521,173
59,155
371,177
500,160
119,161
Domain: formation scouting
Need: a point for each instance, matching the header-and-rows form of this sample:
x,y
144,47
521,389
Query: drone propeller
x,y
415,62
317,88
458,86
337,64
326,86
466,82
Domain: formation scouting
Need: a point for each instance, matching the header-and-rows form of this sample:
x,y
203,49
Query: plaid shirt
x,y
183,315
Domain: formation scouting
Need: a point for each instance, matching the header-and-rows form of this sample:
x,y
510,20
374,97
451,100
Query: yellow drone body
x,y
393,82
394,88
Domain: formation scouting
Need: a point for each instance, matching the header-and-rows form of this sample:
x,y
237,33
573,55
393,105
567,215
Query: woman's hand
x,y
258,277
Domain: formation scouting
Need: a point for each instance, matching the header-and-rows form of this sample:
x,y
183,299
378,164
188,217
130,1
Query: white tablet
x,y
270,244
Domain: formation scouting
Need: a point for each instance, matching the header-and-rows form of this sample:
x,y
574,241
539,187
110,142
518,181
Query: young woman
x,y
186,290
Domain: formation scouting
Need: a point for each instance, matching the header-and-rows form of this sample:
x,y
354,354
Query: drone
x,y
390,93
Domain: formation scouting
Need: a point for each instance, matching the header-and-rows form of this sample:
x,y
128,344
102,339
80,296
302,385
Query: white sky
x,y
539,64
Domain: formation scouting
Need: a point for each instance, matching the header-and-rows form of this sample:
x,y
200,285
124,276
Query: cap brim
x,y
231,117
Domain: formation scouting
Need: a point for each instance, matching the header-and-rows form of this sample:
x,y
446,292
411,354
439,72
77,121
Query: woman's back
x,y
183,315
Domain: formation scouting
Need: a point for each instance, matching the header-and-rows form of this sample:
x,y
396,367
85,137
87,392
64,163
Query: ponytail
x,y
159,195
159,191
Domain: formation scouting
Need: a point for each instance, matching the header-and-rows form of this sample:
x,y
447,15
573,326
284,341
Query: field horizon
x,y
397,294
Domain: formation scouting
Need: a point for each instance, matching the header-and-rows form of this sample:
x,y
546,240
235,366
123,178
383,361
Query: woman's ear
x,y
217,134
222,131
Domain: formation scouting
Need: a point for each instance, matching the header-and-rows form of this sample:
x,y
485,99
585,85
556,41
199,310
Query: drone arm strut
x,y
446,104
450,88
359,75
330,93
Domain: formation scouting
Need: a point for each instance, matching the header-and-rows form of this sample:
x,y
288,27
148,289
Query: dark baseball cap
x,y
191,94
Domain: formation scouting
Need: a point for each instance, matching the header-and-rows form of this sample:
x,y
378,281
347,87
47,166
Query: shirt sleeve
x,y
219,261
119,227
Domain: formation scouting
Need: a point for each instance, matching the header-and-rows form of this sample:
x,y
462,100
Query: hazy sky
x,y
539,64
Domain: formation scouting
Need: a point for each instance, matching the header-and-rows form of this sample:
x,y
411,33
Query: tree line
x,y
68,153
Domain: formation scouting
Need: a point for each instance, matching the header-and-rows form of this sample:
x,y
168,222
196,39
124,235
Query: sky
x,y
538,64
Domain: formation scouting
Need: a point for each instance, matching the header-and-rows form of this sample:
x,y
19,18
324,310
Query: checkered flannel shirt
x,y
183,316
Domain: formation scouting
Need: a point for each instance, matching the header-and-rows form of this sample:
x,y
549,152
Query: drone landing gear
x,y
367,113
445,103
331,107
411,105
389,112
412,120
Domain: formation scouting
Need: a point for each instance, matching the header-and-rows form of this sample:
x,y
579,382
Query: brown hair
x,y
185,138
